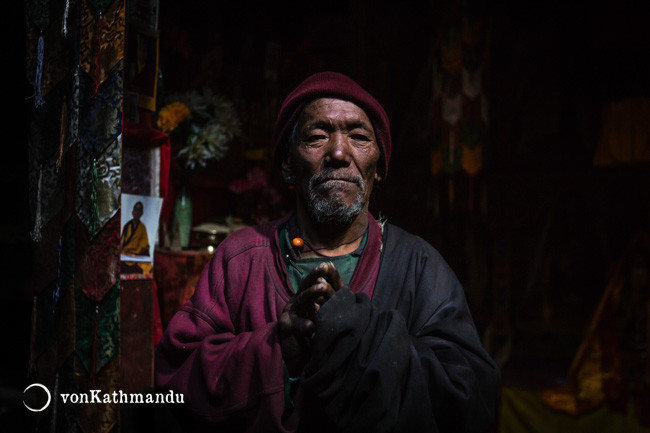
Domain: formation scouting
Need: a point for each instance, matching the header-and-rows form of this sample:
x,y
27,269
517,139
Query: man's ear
x,y
286,167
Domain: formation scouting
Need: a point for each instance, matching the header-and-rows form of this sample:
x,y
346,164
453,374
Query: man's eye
x,y
360,137
314,138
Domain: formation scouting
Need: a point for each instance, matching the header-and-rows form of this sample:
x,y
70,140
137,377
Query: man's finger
x,y
313,276
325,270
303,302
333,277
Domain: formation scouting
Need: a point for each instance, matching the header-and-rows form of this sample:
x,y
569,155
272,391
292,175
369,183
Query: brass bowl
x,y
209,235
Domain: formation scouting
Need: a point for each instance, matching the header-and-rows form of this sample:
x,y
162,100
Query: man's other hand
x,y
296,323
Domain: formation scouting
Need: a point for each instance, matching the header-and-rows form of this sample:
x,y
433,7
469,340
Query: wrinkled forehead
x,y
334,111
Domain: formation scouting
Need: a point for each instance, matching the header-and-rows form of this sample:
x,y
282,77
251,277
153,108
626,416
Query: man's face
x,y
137,211
334,160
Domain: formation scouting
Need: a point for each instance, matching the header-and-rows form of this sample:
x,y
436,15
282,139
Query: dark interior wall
x,y
552,69
552,72
560,221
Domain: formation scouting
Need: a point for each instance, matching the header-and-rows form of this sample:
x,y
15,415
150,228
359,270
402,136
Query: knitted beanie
x,y
331,85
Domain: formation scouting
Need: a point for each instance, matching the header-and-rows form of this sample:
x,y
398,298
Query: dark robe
x,y
409,360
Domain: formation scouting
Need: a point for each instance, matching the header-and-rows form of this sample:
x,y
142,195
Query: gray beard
x,y
333,209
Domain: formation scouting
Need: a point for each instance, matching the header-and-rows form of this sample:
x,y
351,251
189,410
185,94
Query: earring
x,y
290,181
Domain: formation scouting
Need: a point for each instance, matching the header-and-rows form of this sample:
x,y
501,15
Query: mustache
x,y
328,175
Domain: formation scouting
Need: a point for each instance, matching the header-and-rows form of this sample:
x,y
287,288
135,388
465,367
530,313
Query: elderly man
x,y
329,320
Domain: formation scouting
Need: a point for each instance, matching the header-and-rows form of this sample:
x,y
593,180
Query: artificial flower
x,y
171,115
213,124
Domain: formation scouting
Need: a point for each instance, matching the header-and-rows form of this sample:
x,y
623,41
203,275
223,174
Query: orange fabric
x,y
135,241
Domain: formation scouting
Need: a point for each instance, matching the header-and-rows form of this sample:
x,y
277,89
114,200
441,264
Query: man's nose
x,y
339,150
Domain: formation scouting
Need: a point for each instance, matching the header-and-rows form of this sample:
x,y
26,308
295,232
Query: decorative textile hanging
x,y
64,19
102,5
101,116
43,12
32,337
38,95
75,50
62,135
98,67
45,252
102,44
66,262
451,47
93,417
73,97
46,194
100,154
62,418
74,107
46,185
57,291
45,48
97,328
472,82
38,217
48,141
106,186
97,262
65,324
52,315
472,159
94,212
45,127
45,322
98,418
459,109
452,108
40,14
473,134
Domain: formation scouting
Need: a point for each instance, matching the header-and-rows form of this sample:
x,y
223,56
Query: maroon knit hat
x,y
331,85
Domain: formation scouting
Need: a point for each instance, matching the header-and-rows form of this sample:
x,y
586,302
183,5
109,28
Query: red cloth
x,y
157,321
332,85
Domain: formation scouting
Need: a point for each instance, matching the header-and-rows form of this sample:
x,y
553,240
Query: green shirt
x,y
298,268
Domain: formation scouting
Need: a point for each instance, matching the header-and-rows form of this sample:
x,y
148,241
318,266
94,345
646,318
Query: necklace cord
x,y
293,227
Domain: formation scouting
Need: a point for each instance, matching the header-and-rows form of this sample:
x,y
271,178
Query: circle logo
x,y
47,391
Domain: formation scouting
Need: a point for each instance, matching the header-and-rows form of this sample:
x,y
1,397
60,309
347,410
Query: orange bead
x,y
297,242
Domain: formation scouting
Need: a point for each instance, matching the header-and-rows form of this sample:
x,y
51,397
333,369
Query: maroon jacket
x,y
409,360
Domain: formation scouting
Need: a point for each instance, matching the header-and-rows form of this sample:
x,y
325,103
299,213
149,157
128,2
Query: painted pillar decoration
x,y
459,104
75,53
